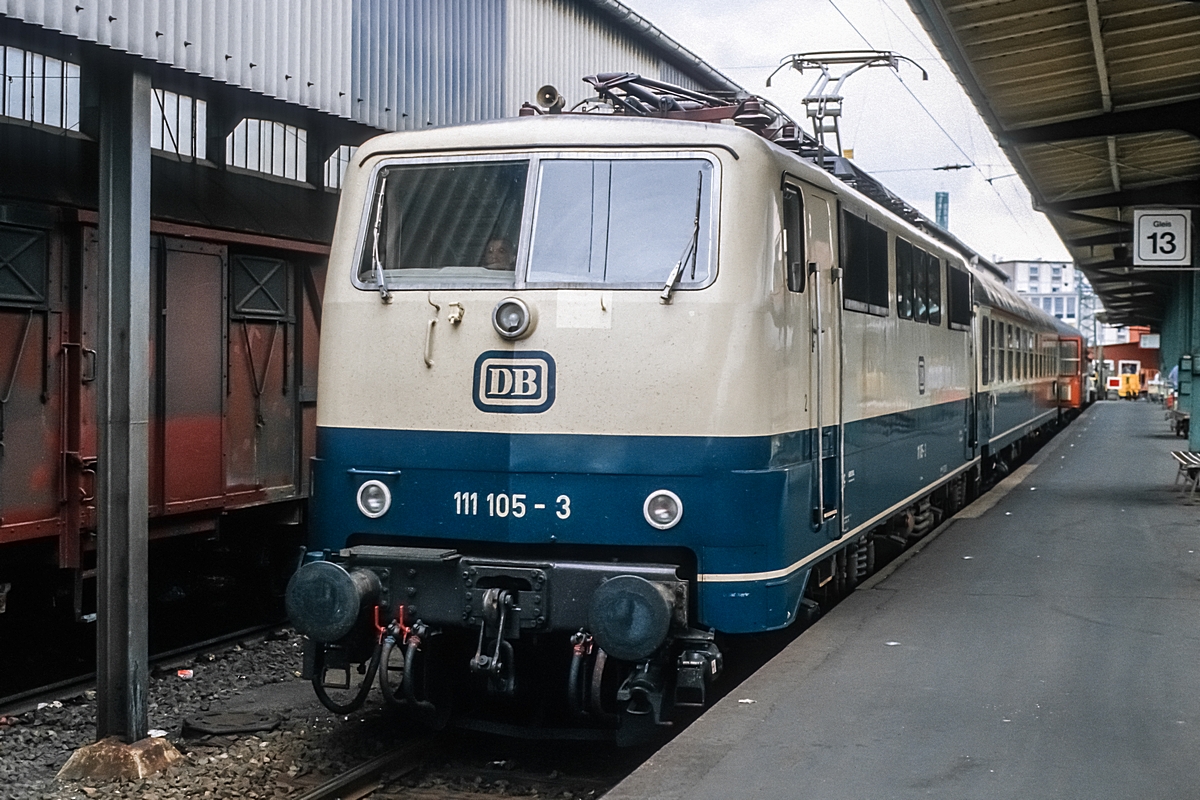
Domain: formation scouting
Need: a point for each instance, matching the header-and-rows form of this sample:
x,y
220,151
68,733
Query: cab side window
x,y
934,278
793,239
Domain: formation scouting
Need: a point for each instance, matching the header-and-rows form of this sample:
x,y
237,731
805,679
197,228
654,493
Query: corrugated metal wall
x,y
558,42
391,64
428,63
294,50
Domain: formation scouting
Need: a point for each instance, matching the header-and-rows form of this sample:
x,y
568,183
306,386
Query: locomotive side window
x,y
904,279
445,223
865,260
793,239
920,285
934,276
958,297
622,222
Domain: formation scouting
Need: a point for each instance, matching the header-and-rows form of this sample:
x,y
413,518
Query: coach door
x,y
826,311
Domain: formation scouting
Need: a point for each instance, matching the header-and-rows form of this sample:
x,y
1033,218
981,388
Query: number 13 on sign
x,y
1162,237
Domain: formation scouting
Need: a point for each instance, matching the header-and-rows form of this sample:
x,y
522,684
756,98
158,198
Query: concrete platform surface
x,y
1049,648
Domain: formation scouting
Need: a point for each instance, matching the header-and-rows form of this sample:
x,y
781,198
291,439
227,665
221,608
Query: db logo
x,y
520,382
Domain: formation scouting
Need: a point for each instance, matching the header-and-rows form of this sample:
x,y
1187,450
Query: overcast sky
x,y
891,122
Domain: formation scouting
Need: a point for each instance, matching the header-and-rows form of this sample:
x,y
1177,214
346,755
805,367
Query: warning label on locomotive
x,y
519,382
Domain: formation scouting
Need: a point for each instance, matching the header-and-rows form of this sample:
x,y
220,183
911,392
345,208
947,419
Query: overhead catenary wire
x,y
1012,214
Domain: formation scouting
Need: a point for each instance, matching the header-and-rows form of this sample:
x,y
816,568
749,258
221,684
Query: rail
x,y
366,778
28,700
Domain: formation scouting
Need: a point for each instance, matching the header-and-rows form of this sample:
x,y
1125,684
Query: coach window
x,y
935,290
997,353
793,239
864,257
985,352
904,279
1011,340
995,372
1018,353
1022,372
1070,357
1024,341
1005,332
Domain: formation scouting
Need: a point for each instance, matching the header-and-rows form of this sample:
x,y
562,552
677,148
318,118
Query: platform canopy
x,y
1097,103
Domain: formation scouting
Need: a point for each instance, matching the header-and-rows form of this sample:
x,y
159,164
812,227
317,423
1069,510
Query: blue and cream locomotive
x,y
597,391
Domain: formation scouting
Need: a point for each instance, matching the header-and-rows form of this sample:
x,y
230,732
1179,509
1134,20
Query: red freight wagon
x,y
233,354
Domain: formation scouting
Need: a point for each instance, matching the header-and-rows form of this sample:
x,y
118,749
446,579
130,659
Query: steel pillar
x,y
123,408
1194,348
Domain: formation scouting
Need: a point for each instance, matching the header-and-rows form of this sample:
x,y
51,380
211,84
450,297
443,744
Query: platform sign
x,y
1162,237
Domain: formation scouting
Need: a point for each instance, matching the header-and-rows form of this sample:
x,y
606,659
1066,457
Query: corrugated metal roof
x,y
418,64
294,50
391,64
1097,103
560,43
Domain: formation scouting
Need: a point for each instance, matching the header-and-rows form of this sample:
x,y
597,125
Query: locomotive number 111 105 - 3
x,y
502,505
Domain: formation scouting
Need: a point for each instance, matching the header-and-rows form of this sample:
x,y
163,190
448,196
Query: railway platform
x,y
1045,644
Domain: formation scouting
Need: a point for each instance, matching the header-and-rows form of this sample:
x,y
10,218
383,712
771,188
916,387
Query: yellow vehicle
x,y
1131,382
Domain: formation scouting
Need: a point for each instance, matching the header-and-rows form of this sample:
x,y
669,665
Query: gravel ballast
x,y
308,746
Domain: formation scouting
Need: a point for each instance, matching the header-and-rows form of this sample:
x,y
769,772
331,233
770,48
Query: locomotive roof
x,y
566,130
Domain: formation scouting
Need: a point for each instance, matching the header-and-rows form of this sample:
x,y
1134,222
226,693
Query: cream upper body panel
x,y
706,364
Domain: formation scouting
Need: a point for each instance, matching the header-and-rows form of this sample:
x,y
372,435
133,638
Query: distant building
x,y
1061,290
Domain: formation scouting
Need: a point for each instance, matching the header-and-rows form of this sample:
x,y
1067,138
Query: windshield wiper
x,y
689,250
376,260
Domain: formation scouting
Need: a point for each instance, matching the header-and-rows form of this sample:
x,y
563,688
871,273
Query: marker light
x,y
374,499
511,318
663,509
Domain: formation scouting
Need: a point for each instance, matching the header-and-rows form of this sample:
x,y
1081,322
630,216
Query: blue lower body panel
x,y
747,528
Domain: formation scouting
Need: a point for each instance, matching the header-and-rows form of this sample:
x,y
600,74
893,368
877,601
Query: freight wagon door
x,y
30,388
826,309
261,423
185,439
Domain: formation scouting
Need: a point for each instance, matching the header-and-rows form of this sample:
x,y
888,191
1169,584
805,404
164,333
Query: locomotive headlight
x,y
512,318
374,499
663,509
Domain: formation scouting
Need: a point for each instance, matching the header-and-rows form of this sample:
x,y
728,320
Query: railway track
x,y
28,700
371,776
444,767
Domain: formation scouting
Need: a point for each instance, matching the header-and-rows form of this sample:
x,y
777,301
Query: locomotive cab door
x,y
825,299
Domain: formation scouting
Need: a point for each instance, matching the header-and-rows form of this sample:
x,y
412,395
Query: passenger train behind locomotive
x,y
600,391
